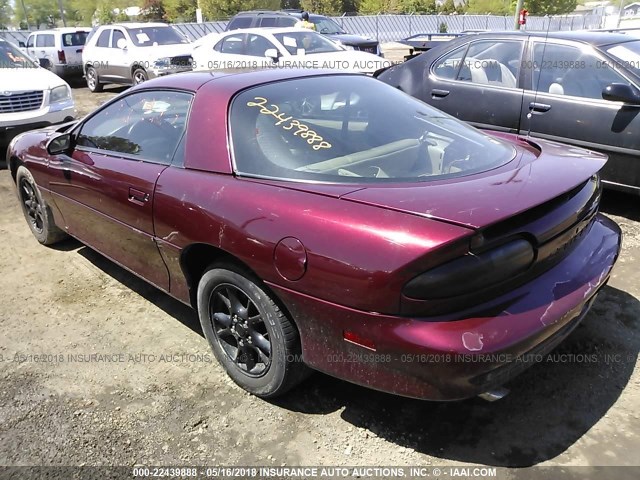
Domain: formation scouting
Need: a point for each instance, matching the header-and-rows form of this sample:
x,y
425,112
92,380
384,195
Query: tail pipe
x,y
495,394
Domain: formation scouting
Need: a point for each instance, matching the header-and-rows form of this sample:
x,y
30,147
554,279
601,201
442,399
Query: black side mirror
x,y
21,44
45,63
59,144
621,92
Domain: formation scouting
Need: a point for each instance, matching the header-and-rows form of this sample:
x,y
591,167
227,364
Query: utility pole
x,y
26,17
517,15
620,10
64,22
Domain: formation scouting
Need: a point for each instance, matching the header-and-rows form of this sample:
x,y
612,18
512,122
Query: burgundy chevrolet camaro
x,y
330,221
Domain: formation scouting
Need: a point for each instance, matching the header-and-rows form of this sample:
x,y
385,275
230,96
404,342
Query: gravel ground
x,y
157,397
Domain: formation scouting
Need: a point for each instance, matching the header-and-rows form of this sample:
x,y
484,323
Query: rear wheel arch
x,y
197,258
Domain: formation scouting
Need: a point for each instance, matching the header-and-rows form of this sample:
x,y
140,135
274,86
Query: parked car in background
x,y
331,221
61,47
581,88
288,18
131,53
30,96
279,48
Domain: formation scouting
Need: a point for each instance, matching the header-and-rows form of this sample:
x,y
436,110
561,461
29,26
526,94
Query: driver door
x,y
105,187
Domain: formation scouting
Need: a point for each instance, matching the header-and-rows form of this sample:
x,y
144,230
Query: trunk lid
x,y
480,200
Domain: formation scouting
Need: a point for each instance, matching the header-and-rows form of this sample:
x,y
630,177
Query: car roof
x,y
137,24
262,12
282,13
193,81
596,38
63,30
271,30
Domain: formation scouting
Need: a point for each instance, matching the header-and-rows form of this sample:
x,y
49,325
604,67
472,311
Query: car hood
x,y
479,200
162,51
24,79
349,39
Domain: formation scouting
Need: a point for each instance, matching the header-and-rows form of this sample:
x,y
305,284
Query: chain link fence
x,y
390,28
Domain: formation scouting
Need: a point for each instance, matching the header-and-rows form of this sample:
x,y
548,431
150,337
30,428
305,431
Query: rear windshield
x,y
75,39
353,129
152,36
326,25
311,42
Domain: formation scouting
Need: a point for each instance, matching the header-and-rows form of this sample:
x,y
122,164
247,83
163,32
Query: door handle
x,y
438,93
137,196
539,107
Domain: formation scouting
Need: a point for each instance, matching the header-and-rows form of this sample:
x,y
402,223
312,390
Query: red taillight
x,y
62,57
353,337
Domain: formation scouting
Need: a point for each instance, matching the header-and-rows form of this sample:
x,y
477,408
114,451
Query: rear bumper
x,y
68,71
467,353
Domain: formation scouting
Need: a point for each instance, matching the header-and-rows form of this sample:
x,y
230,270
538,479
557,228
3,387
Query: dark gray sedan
x,y
581,88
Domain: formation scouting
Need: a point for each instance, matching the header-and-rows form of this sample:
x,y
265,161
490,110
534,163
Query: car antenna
x,y
535,95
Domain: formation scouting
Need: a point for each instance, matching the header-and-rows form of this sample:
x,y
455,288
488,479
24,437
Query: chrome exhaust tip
x,y
495,394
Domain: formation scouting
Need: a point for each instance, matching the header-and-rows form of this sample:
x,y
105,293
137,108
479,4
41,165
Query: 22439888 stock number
x,y
186,472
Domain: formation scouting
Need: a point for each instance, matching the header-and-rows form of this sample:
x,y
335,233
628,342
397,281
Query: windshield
x,y
151,36
353,129
628,54
326,25
309,41
11,57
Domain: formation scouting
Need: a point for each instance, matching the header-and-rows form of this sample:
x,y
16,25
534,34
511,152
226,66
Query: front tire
x,y
93,81
250,336
35,210
139,76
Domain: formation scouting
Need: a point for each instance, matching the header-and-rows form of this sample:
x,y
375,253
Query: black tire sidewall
x,y
24,174
146,77
270,382
97,88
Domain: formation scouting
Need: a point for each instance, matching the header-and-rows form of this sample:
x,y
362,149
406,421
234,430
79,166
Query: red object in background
x,y
522,20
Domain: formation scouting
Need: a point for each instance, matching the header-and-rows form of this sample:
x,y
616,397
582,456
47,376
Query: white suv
x,y
30,96
61,48
130,53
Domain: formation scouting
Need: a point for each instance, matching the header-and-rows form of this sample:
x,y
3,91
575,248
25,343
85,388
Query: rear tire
x,y
93,81
35,210
253,340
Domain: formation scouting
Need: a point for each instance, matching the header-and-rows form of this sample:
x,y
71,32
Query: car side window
x,y
45,40
30,41
146,125
233,44
257,45
268,21
492,63
448,66
484,62
569,70
117,35
240,22
286,22
103,39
